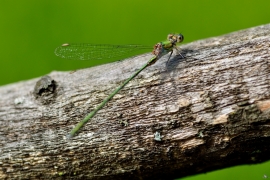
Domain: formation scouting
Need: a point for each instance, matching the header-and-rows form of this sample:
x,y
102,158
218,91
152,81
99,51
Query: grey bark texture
x,y
208,111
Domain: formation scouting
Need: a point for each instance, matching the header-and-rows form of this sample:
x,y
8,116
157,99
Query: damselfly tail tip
x,y
70,136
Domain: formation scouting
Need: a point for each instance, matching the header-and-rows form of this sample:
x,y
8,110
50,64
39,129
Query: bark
x,y
208,111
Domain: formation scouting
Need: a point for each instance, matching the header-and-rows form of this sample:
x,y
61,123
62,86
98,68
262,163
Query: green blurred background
x,y
31,29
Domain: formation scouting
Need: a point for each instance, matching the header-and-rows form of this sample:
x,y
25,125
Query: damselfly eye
x,y
180,38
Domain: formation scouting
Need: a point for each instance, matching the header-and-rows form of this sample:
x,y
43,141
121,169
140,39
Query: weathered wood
x,y
211,109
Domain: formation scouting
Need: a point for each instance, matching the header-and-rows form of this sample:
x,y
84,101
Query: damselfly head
x,y
179,37
175,38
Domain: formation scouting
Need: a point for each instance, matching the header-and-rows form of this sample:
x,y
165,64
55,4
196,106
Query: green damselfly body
x,y
102,51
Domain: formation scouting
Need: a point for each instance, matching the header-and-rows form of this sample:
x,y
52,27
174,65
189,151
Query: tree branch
x,y
208,111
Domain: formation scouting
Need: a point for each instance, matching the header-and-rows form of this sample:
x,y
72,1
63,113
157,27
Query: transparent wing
x,y
85,51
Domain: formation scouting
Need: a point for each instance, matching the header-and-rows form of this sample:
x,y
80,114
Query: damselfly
x,y
103,51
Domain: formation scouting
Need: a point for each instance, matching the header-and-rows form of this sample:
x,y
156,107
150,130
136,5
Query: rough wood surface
x,y
211,110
